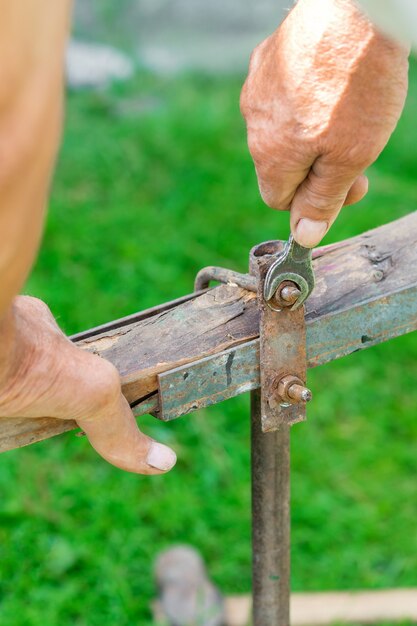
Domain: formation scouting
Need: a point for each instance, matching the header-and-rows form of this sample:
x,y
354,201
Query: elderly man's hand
x,y
43,374
322,97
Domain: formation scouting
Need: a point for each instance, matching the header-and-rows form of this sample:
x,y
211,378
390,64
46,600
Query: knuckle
x,y
349,155
257,147
256,152
266,195
30,309
271,197
23,302
359,158
249,91
324,200
250,105
106,387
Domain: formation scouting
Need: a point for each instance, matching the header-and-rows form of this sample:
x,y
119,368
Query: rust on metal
x,y
282,346
186,389
285,279
226,276
291,389
294,264
271,560
287,294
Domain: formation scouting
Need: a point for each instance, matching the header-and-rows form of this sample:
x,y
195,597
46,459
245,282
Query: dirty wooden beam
x,y
368,283
221,376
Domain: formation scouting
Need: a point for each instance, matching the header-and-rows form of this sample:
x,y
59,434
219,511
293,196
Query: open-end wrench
x,y
293,265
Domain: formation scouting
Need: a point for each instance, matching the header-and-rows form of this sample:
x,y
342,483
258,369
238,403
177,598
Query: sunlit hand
x,y
322,97
43,374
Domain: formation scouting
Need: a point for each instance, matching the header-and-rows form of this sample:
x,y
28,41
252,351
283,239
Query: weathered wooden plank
x,y
217,320
235,371
369,267
134,318
18,432
352,272
197,327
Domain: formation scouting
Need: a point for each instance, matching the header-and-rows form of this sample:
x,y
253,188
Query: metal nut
x,y
287,294
293,391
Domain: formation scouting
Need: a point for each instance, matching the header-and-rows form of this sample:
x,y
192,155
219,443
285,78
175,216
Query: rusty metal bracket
x,y
281,274
283,361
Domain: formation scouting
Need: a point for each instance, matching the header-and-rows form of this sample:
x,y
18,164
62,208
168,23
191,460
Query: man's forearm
x,y
32,44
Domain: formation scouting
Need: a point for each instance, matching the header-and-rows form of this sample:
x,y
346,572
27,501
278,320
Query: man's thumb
x,y
318,202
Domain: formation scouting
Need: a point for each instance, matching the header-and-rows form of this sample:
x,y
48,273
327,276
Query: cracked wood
x,y
370,266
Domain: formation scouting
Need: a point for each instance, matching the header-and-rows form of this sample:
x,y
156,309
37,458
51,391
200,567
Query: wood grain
x,y
365,268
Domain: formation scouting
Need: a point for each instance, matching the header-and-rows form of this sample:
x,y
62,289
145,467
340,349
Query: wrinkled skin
x,y
42,374
323,95
45,375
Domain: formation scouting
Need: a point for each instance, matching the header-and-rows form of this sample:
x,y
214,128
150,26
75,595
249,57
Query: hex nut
x,y
292,390
286,295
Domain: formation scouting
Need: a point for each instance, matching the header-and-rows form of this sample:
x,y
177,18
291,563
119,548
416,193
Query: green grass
x,y
154,182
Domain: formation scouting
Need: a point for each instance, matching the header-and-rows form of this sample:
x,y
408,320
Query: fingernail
x,y
161,457
309,233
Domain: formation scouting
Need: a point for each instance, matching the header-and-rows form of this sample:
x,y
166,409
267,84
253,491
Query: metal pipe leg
x,y
270,522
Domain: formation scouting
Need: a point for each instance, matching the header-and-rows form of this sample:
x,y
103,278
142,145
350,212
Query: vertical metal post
x,y
270,521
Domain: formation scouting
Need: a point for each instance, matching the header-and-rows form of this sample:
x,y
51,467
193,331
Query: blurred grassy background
x,y
154,182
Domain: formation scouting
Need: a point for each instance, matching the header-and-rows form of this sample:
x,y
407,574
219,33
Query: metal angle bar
x,y
235,371
367,324
148,405
209,381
